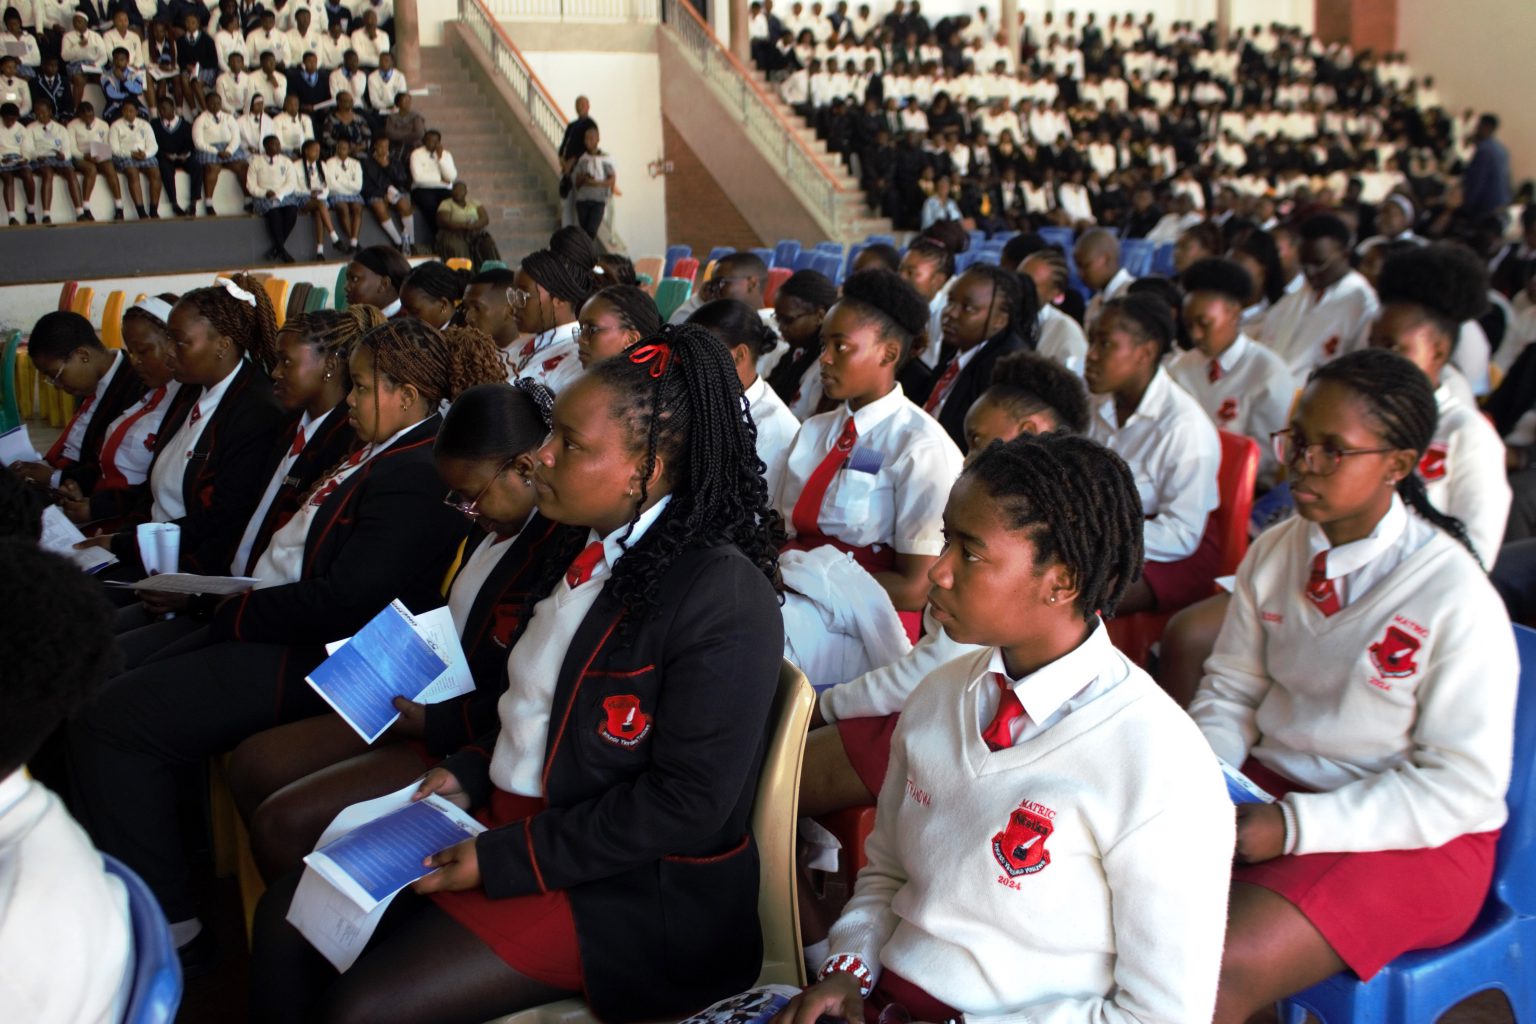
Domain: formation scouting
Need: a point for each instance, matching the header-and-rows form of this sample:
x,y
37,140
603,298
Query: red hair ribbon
x,y
658,354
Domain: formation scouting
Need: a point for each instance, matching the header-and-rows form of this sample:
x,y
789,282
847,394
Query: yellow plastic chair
x,y
773,825
709,273
277,291
112,320
461,263
84,298
26,385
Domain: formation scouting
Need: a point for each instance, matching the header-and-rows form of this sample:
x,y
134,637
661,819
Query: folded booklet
x,y
60,536
754,1006
189,583
1241,788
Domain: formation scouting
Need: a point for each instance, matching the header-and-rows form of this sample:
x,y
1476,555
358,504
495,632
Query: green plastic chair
x,y
319,295
493,265
670,294
644,279
341,287
10,406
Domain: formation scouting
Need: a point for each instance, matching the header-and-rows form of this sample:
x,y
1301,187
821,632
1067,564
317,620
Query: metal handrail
x,y
515,70
774,136
592,11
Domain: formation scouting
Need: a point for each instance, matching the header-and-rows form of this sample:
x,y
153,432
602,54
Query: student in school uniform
x,y
799,308
344,176
289,782
1041,779
54,891
374,277
16,163
177,151
369,42
53,158
1366,675
273,183
80,48
375,528
66,352
89,136
135,154
216,140
205,473
293,128
870,476
743,332
1332,313
552,286
1169,443
387,191
1243,387
1097,255
928,265
742,276
431,293
990,315
386,83
634,796
488,307
314,197
1060,337
612,320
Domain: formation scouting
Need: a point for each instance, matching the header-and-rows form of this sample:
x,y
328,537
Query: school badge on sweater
x,y
1393,654
1020,846
626,725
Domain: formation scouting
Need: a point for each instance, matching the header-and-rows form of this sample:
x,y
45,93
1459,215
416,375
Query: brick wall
x,y
1363,23
699,213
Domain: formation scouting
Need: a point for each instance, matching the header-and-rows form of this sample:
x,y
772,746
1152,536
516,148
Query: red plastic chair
x,y
1136,634
852,826
67,295
686,268
776,277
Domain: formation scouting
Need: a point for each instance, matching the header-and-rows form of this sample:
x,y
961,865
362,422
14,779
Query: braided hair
x,y
438,364
935,252
1025,383
334,332
735,323
1402,402
1149,316
564,270
253,328
634,307
1260,247
680,400
496,422
617,269
437,279
1017,294
1080,505
1056,260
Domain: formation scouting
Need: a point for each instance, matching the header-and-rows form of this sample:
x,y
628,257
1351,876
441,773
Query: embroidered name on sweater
x,y
626,724
1020,846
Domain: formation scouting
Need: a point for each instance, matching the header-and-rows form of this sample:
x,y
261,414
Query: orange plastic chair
x,y
277,291
112,320
1136,634
84,299
461,263
67,295
776,277
852,826
686,268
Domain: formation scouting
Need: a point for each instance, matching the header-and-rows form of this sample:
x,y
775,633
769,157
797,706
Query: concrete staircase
x,y
523,212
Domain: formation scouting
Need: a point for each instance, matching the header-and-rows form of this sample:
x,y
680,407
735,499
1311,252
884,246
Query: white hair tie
x,y
157,308
598,269
236,292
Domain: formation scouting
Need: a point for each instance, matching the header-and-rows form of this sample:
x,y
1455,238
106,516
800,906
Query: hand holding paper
x,y
62,537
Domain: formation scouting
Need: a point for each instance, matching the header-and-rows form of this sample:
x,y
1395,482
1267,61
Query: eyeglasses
x,y
517,297
1317,459
593,330
471,509
53,378
716,284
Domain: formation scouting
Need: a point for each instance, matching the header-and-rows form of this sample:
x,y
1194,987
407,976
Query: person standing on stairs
x,y
572,145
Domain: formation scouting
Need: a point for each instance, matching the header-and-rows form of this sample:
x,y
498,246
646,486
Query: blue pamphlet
x,y
385,855
389,657
1241,788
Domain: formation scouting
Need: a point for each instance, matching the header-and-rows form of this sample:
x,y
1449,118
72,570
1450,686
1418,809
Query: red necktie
x,y
1213,371
942,386
1320,589
298,443
197,413
999,732
581,569
111,477
56,452
806,516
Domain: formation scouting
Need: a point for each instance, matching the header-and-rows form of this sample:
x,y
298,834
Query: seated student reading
x,y
1041,779
1366,676
54,893
289,782
622,774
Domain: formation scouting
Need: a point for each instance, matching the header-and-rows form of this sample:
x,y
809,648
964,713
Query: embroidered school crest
x,y
1393,654
149,442
1331,347
551,363
1020,846
505,618
1432,465
626,725
1228,411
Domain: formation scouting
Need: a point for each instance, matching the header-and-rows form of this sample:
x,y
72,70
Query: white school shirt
x,y
224,44
46,138
1463,469
260,41
332,52
1061,339
345,176
283,561
1398,709
1174,454
930,356
534,663
308,427
272,90
293,130
368,50
382,93
136,451
1472,356
276,174
552,357
477,567
15,144
58,14
1117,284
254,128
31,56
776,427
81,136
55,895
93,50
1306,329
355,83
299,44
210,130
234,90
170,469
1068,830
18,91
82,423
892,489
429,171
884,691
1252,397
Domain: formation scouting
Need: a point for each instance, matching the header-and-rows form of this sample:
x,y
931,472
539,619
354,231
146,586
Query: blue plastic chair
x,y
1136,256
156,992
991,256
880,240
785,252
977,237
10,405
805,259
832,247
854,251
717,252
1003,237
1162,260
1064,238
675,253
766,255
830,264
1500,950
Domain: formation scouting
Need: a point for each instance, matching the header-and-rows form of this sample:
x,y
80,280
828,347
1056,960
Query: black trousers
x,y
197,699
280,222
168,169
426,201
590,216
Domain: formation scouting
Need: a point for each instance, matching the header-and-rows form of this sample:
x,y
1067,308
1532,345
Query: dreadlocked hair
x,y
437,364
634,307
1025,383
1447,283
678,395
564,270
1080,505
253,328
617,269
334,333
495,422
437,279
1017,293
735,324
1402,402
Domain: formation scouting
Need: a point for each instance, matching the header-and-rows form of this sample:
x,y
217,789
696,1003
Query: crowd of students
x,y
930,490
1137,125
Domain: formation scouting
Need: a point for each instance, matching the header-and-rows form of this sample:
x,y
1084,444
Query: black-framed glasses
x,y
1317,459
593,330
471,509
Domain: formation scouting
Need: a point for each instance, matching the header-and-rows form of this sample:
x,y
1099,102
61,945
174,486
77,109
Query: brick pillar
x,y
741,44
407,42
1362,23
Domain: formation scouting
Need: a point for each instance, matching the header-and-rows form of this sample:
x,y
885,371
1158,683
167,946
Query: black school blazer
x,y
321,453
972,381
384,533
123,390
656,736
222,481
494,620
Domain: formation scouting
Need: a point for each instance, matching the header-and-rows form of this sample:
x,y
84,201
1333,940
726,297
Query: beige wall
x,y
1480,54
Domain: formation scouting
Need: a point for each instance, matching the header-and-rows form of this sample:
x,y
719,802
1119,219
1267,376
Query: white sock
x,y
408,234
32,207
79,210
319,250
815,955
352,240
392,231
117,204
183,932
334,238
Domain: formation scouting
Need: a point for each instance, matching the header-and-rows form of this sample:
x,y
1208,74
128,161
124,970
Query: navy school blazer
x,y
223,479
123,390
973,381
383,533
321,453
656,737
